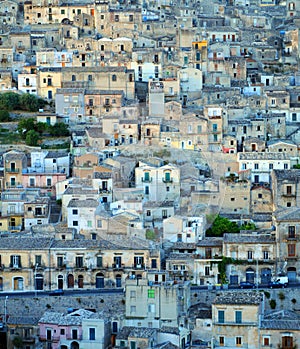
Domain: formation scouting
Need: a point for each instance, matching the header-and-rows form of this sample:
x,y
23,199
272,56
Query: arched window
x,y
114,77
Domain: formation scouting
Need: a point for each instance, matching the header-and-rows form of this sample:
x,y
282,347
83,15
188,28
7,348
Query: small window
x,y
151,293
114,77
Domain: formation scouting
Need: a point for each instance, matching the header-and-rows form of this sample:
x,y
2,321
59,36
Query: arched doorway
x,y
18,283
39,282
292,274
99,280
118,280
265,276
74,345
60,282
250,275
80,281
70,281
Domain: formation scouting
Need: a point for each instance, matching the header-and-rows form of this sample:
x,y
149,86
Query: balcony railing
x,y
167,180
14,227
146,180
12,170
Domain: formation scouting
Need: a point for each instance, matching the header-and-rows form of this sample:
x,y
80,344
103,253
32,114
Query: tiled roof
x,y
241,298
24,243
249,238
293,174
288,214
83,203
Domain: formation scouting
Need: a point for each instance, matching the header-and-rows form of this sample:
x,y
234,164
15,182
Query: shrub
x,y
272,303
281,296
267,294
4,116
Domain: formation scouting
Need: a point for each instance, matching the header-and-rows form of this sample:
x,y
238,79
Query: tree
x,y
150,234
222,225
31,102
59,129
32,138
4,116
9,101
24,126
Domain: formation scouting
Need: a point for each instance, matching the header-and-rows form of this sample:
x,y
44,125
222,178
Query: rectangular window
x,y
266,341
265,255
75,211
99,223
238,341
99,262
250,255
92,334
60,261
238,317
151,293
75,223
38,260
221,341
15,261
221,316
132,294
288,190
89,224
256,166
62,331
132,308
206,270
292,232
79,262
291,250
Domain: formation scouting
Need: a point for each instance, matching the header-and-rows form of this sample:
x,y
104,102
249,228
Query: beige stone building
x,y
235,317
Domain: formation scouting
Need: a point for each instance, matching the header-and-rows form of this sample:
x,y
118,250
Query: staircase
x,y
55,212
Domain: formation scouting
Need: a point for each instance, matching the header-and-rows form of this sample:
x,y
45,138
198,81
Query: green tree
x,y
59,130
28,102
222,225
150,234
248,226
32,138
25,125
9,101
4,116
17,342
40,127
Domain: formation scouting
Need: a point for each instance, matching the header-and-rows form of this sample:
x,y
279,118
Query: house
x,y
81,214
14,164
236,319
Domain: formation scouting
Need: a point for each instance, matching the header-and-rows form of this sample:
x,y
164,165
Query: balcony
x,y
147,180
117,266
289,195
107,105
138,266
14,185
44,338
12,170
167,180
14,227
104,191
15,266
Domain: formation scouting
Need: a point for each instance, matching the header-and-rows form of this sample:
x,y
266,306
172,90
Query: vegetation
x,y
13,101
4,116
150,235
272,303
17,342
267,294
281,296
32,138
222,225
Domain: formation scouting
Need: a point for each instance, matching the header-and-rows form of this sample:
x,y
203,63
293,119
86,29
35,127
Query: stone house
x,y
257,253
160,183
261,199
74,328
81,214
262,164
285,188
36,212
14,164
48,81
235,316
286,222
84,165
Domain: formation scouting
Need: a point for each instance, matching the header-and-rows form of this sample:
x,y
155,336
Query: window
x,y
266,341
73,78
79,262
287,342
15,261
116,18
99,262
265,255
114,77
256,166
206,270
60,262
199,128
75,211
221,341
62,331
270,166
291,250
92,334
294,116
75,223
285,166
99,223
151,293
238,317
151,308
132,308
132,294
38,260
49,182
221,316
259,196
89,224
148,213
250,255
238,341
90,77
292,232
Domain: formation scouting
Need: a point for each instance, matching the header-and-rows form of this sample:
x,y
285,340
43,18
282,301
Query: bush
x,y
272,303
267,294
4,116
294,301
32,138
281,296
9,101
150,234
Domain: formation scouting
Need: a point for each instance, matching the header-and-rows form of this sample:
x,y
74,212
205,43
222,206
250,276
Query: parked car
x,y
276,284
246,284
58,292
